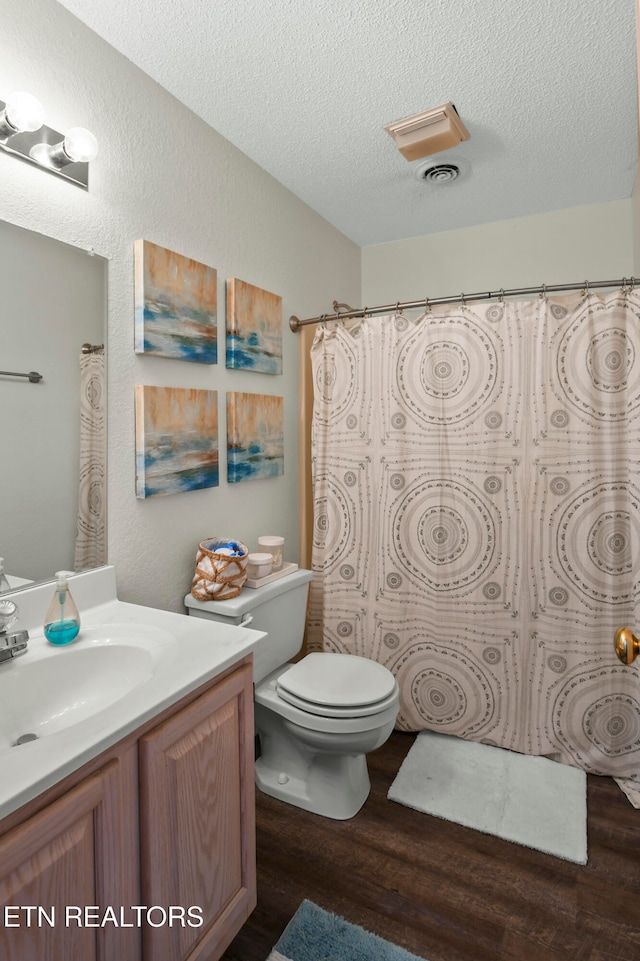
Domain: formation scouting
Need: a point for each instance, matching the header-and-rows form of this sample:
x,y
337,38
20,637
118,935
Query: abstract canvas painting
x,y
254,328
176,440
176,305
255,436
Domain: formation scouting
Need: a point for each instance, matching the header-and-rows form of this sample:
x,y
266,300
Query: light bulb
x,y
80,145
23,112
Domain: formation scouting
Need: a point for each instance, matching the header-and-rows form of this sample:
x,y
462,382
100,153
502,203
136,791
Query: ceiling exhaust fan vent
x,y
439,173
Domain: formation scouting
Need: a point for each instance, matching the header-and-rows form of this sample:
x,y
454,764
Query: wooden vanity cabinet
x,y
164,819
71,854
197,827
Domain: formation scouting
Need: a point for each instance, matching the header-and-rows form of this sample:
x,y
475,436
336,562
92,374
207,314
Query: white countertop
x,y
186,652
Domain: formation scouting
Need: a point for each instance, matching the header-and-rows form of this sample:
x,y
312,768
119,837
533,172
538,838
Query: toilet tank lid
x,y
251,598
340,680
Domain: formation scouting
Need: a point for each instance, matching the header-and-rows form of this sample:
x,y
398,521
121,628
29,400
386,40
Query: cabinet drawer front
x,y
197,830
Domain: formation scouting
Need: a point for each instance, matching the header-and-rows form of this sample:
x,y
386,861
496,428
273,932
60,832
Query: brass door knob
x,y
627,645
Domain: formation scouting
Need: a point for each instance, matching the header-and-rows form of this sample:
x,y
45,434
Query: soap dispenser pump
x,y
62,622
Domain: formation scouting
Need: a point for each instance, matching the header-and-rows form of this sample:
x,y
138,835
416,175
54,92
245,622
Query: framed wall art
x,y
254,328
176,305
255,436
176,440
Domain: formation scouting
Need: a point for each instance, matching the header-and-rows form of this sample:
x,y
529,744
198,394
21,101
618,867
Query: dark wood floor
x,y
445,892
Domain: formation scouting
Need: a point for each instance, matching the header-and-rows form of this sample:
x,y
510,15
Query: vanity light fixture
x,y
23,134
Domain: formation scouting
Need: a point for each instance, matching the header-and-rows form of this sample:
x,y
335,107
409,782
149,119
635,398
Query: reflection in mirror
x,y
53,480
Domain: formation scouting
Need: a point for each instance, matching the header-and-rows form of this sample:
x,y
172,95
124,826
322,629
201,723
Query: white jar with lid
x,y
275,546
259,565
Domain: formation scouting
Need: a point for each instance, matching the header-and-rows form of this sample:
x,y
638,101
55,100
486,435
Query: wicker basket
x,y
218,577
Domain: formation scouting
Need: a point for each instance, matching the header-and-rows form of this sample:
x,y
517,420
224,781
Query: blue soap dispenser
x,y
62,622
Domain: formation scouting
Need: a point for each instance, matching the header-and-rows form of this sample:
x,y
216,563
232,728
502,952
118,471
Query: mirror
x,y
53,301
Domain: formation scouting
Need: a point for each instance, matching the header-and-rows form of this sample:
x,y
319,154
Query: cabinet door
x,y
59,863
197,823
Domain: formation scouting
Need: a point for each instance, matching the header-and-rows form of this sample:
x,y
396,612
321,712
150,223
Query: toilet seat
x,y
338,685
323,710
266,695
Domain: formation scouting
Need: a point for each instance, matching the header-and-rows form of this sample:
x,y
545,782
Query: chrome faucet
x,y
12,643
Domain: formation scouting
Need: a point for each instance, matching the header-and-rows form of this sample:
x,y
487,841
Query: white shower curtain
x,y
476,482
90,548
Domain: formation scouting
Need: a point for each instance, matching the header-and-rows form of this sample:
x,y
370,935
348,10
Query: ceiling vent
x,y
428,132
439,173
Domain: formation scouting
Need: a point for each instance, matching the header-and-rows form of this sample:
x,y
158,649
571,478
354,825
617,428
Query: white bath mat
x,y
529,800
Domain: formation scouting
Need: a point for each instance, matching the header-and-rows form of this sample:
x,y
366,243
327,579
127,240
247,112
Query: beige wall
x,y
164,175
591,243
635,201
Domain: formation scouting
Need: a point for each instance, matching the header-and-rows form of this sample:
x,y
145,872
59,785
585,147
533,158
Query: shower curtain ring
x,y
586,288
462,301
427,306
633,284
543,292
501,296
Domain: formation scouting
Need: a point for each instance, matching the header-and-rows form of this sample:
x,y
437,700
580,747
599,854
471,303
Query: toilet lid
x,y
337,681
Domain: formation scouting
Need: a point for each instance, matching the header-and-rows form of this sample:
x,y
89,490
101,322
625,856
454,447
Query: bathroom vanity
x,y
129,832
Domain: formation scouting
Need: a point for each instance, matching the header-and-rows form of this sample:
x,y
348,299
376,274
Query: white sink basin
x,y
45,692
127,665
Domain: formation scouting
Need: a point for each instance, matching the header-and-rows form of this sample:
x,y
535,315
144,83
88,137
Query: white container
x,y
275,546
259,565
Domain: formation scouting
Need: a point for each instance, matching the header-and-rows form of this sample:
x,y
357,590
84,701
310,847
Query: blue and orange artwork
x,y
176,305
255,436
254,328
176,440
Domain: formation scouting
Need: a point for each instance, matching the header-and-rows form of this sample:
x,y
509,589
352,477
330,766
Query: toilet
x,y
316,719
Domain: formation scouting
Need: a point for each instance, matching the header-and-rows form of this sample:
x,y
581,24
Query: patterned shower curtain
x,y
91,543
476,482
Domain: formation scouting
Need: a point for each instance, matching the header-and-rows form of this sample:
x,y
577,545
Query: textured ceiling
x,y
546,89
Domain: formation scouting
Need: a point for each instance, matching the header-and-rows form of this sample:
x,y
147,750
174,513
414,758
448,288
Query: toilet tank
x,y
279,608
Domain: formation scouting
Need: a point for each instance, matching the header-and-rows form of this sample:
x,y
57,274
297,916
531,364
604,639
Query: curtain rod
x,y
339,314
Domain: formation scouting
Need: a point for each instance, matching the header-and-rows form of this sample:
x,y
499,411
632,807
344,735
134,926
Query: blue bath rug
x,y
316,935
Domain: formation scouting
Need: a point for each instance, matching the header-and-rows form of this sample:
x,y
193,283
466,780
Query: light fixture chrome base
x,y
22,145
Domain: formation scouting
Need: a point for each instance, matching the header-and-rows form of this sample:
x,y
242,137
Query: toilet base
x,y
334,787
309,770
315,762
